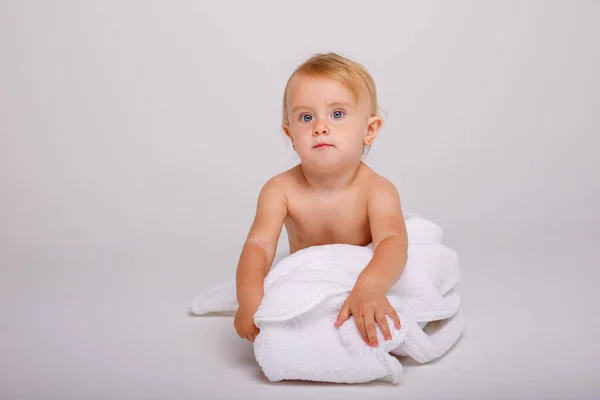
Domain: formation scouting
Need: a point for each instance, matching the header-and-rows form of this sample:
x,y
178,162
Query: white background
x,y
136,135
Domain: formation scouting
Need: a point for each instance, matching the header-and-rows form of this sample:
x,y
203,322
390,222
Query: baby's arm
x,y
368,302
390,241
259,248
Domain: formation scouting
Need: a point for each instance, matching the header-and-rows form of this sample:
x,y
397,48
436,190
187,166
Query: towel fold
x,y
304,292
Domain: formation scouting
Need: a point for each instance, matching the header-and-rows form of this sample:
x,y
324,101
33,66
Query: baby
x,y
331,196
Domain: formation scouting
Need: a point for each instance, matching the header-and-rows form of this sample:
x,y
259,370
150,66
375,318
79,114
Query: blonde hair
x,y
349,73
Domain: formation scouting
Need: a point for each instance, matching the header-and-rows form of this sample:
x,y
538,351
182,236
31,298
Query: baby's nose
x,y
321,130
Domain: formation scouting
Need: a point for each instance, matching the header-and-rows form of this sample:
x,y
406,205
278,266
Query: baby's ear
x,y
286,129
373,126
288,133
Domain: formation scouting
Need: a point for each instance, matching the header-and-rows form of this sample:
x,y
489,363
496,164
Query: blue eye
x,y
304,118
338,114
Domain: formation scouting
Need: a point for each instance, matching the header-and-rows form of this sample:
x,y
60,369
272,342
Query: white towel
x,y
304,293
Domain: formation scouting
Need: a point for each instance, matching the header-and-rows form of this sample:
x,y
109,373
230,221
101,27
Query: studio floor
x,y
115,325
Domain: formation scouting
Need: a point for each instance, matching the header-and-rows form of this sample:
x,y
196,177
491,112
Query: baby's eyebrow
x,y
340,103
331,104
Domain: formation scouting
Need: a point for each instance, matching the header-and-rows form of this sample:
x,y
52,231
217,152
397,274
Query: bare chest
x,y
314,221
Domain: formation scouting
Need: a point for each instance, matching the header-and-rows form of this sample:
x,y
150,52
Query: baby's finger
x,y
369,320
383,325
394,315
361,328
343,315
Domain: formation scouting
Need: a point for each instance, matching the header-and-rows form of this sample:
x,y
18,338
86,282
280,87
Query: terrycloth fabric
x,y
304,293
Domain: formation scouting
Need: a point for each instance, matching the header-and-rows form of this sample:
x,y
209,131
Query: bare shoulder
x,y
281,184
273,194
384,187
378,185
382,194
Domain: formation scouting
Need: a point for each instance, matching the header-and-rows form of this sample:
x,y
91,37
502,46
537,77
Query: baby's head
x,y
333,100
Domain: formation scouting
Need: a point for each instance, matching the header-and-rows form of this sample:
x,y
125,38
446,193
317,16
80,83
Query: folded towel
x,y
304,292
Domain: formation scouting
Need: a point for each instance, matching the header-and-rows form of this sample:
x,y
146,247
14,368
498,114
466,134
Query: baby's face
x,y
323,112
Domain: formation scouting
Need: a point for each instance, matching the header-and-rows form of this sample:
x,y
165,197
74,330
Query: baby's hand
x,y
369,306
244,323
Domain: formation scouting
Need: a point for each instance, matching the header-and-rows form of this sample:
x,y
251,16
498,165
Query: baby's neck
x,y
330,180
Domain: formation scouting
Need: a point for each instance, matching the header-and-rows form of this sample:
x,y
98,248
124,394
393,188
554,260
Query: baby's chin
x,y
329,159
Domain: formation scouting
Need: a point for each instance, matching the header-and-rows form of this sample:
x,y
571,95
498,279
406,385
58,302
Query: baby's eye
x,y
306,117
338,114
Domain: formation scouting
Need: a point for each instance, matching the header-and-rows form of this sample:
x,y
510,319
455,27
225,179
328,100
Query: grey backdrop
x,y
135,136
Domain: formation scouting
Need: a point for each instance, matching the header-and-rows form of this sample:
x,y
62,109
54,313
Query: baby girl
x,y
330,116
